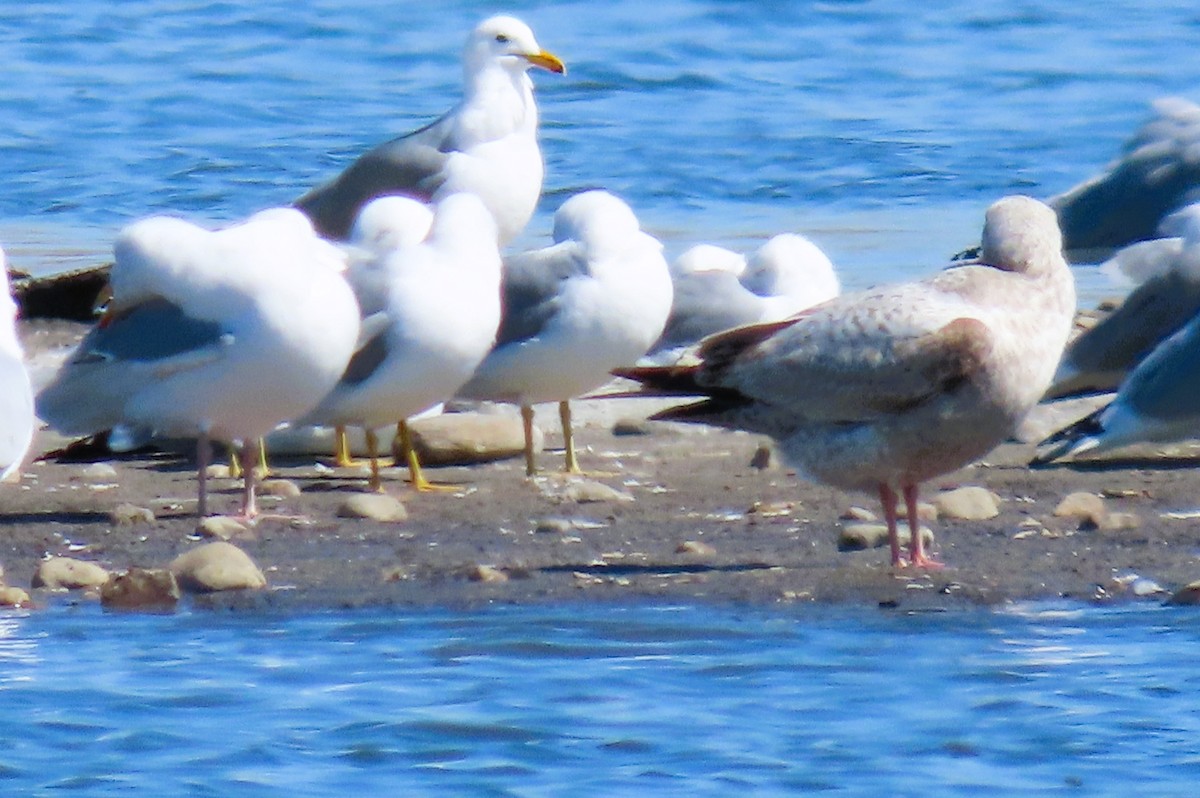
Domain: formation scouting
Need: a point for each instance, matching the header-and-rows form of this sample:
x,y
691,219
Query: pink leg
x,y
202,454
889,499
916,545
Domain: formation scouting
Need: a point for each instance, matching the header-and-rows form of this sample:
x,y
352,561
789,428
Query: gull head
x,y
509,42
391,222
1021,234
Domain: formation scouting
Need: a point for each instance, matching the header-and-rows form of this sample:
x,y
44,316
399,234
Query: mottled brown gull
x,y
885,389
486,145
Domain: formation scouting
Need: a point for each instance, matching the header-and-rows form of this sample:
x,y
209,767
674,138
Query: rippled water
x,y
582,700
880,128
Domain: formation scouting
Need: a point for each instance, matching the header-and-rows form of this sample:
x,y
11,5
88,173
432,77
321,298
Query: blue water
x,y
602,701
882,129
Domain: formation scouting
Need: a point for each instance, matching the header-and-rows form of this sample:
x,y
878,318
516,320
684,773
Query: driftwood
x,y
68,295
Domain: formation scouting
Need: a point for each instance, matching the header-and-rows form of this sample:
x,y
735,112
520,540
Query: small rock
x,y
283,488
65,573
373,507
471,437
626,427
218,471
696,547
971,503
856,537
1186,596
858,514
763,458
486,573
1087,508
589,491
13,597
221,527
554,526
126,514
1117,522
1143,587
97,472
217,566
141,589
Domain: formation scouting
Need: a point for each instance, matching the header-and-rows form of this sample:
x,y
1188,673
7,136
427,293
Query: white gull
x,y
486,145
885,389
16,396
219,335
595,300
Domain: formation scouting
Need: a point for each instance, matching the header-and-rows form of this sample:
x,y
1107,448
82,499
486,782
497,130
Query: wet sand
x,y
773,537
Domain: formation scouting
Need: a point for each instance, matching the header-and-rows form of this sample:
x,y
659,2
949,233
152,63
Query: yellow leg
x,y
264,470
376,481
527,423
235,462
415,475
342,457
571,466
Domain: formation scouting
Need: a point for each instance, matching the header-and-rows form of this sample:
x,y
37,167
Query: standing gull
x,y
784,276
1167,299
885,389
16,396
221,335
440,299
486,145
574,311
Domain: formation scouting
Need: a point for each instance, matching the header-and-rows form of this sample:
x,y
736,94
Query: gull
x,y
1167,299
215,334
1157,402
16,395
440,302
486,145
785,275
1157,172
593,301
887,388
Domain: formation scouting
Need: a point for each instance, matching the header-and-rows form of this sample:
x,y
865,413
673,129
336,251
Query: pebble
x,y
696,547
1087,508
764,458
218,471
217,566
554,526
97,472
1186,596
282,488
373,507
66,573
221,527
859,536
970,503
141,589
126,514
858,514
471,437
486,573
587,490
13,597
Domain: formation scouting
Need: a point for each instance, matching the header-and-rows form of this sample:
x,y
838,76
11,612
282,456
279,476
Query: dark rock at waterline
x,y
68,295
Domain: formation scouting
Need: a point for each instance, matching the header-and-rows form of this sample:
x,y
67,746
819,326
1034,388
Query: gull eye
x,y
502,38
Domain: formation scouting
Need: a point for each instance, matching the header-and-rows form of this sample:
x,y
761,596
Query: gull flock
x,y
385,292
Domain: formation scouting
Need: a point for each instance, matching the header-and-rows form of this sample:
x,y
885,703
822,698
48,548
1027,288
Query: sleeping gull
x,y
1167,299
440,299
221,335
1157,173
16,396
1157,402
486,145
593,301
887,388
786,275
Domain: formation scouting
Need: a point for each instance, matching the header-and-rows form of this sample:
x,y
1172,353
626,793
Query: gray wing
x,y
120,356
531,289
706,303
412,165
1153,177
1164,387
